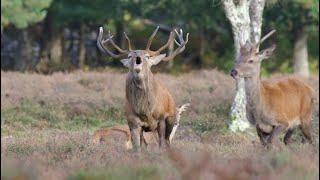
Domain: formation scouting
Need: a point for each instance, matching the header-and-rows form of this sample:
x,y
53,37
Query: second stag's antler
x,y
181,44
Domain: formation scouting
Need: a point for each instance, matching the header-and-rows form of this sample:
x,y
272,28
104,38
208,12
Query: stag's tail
x,y
178,116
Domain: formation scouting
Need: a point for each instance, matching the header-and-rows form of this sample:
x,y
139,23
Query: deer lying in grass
x,y
274,105
120,133
149,138
149,105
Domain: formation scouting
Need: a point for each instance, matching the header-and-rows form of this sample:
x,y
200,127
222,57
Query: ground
x,y
47,123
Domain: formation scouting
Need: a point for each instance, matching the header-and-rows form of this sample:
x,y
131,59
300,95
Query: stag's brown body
x,y
149,105
149,101
274,105
285,102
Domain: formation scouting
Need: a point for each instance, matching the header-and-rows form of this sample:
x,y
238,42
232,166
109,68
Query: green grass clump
x,y
36,115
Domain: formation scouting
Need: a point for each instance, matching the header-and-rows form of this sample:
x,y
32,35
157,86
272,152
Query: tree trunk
x,y
56,49
202,47
81,46
25,51
246,19
300,55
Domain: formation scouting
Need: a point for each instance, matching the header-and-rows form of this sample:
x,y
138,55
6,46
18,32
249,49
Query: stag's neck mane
x,y
253,89
141,93
254,94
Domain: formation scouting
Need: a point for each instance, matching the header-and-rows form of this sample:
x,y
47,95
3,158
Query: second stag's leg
x,y
274,135
287,137
262,136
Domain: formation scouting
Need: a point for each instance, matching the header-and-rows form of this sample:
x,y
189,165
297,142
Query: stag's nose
x,y
137,70
233,73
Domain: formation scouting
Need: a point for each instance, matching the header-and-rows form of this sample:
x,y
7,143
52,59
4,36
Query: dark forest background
x,y
60,35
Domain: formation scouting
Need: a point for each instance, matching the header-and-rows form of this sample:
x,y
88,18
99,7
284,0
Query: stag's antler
x,y
171,38
264,38
181,45
101,42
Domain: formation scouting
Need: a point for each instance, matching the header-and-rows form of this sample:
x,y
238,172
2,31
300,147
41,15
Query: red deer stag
x,y
122,134
278,105
149,105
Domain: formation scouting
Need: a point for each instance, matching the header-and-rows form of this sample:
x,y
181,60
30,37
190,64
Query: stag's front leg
x,y
162,133
135,131
262,135
273,138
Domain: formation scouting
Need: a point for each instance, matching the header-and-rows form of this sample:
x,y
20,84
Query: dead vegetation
x,y
48,123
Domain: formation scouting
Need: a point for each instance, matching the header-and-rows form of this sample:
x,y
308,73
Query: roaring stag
x,y
121,133
149,105
278,105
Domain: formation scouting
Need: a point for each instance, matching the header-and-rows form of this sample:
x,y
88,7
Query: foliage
x,y
22,13
210,45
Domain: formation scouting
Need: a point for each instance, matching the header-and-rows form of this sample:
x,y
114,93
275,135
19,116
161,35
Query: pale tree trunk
x,y
24,52
56,49
246,19
300,55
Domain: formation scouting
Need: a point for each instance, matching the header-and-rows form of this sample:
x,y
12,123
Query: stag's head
x,y
249,60
139,62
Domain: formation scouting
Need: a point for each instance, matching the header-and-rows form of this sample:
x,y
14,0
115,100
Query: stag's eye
x,y
250,61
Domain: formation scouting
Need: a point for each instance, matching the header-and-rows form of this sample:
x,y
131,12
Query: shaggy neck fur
x,y
253,89
140,93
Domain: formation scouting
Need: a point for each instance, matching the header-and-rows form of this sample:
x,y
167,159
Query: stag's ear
x,y
126,62
156,59
266,53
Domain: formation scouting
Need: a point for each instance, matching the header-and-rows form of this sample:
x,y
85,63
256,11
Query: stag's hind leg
x,y
162,132
169,127
306,117
306,131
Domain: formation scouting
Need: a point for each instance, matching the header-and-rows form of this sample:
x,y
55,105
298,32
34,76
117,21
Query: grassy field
x,y
47,123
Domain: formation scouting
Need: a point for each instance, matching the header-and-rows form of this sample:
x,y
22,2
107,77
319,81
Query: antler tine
x,y
182,45
105,50
171,38
151,38
114,44
265,37
129,43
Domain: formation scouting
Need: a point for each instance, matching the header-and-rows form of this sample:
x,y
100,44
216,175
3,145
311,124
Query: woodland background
x,y
60,35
